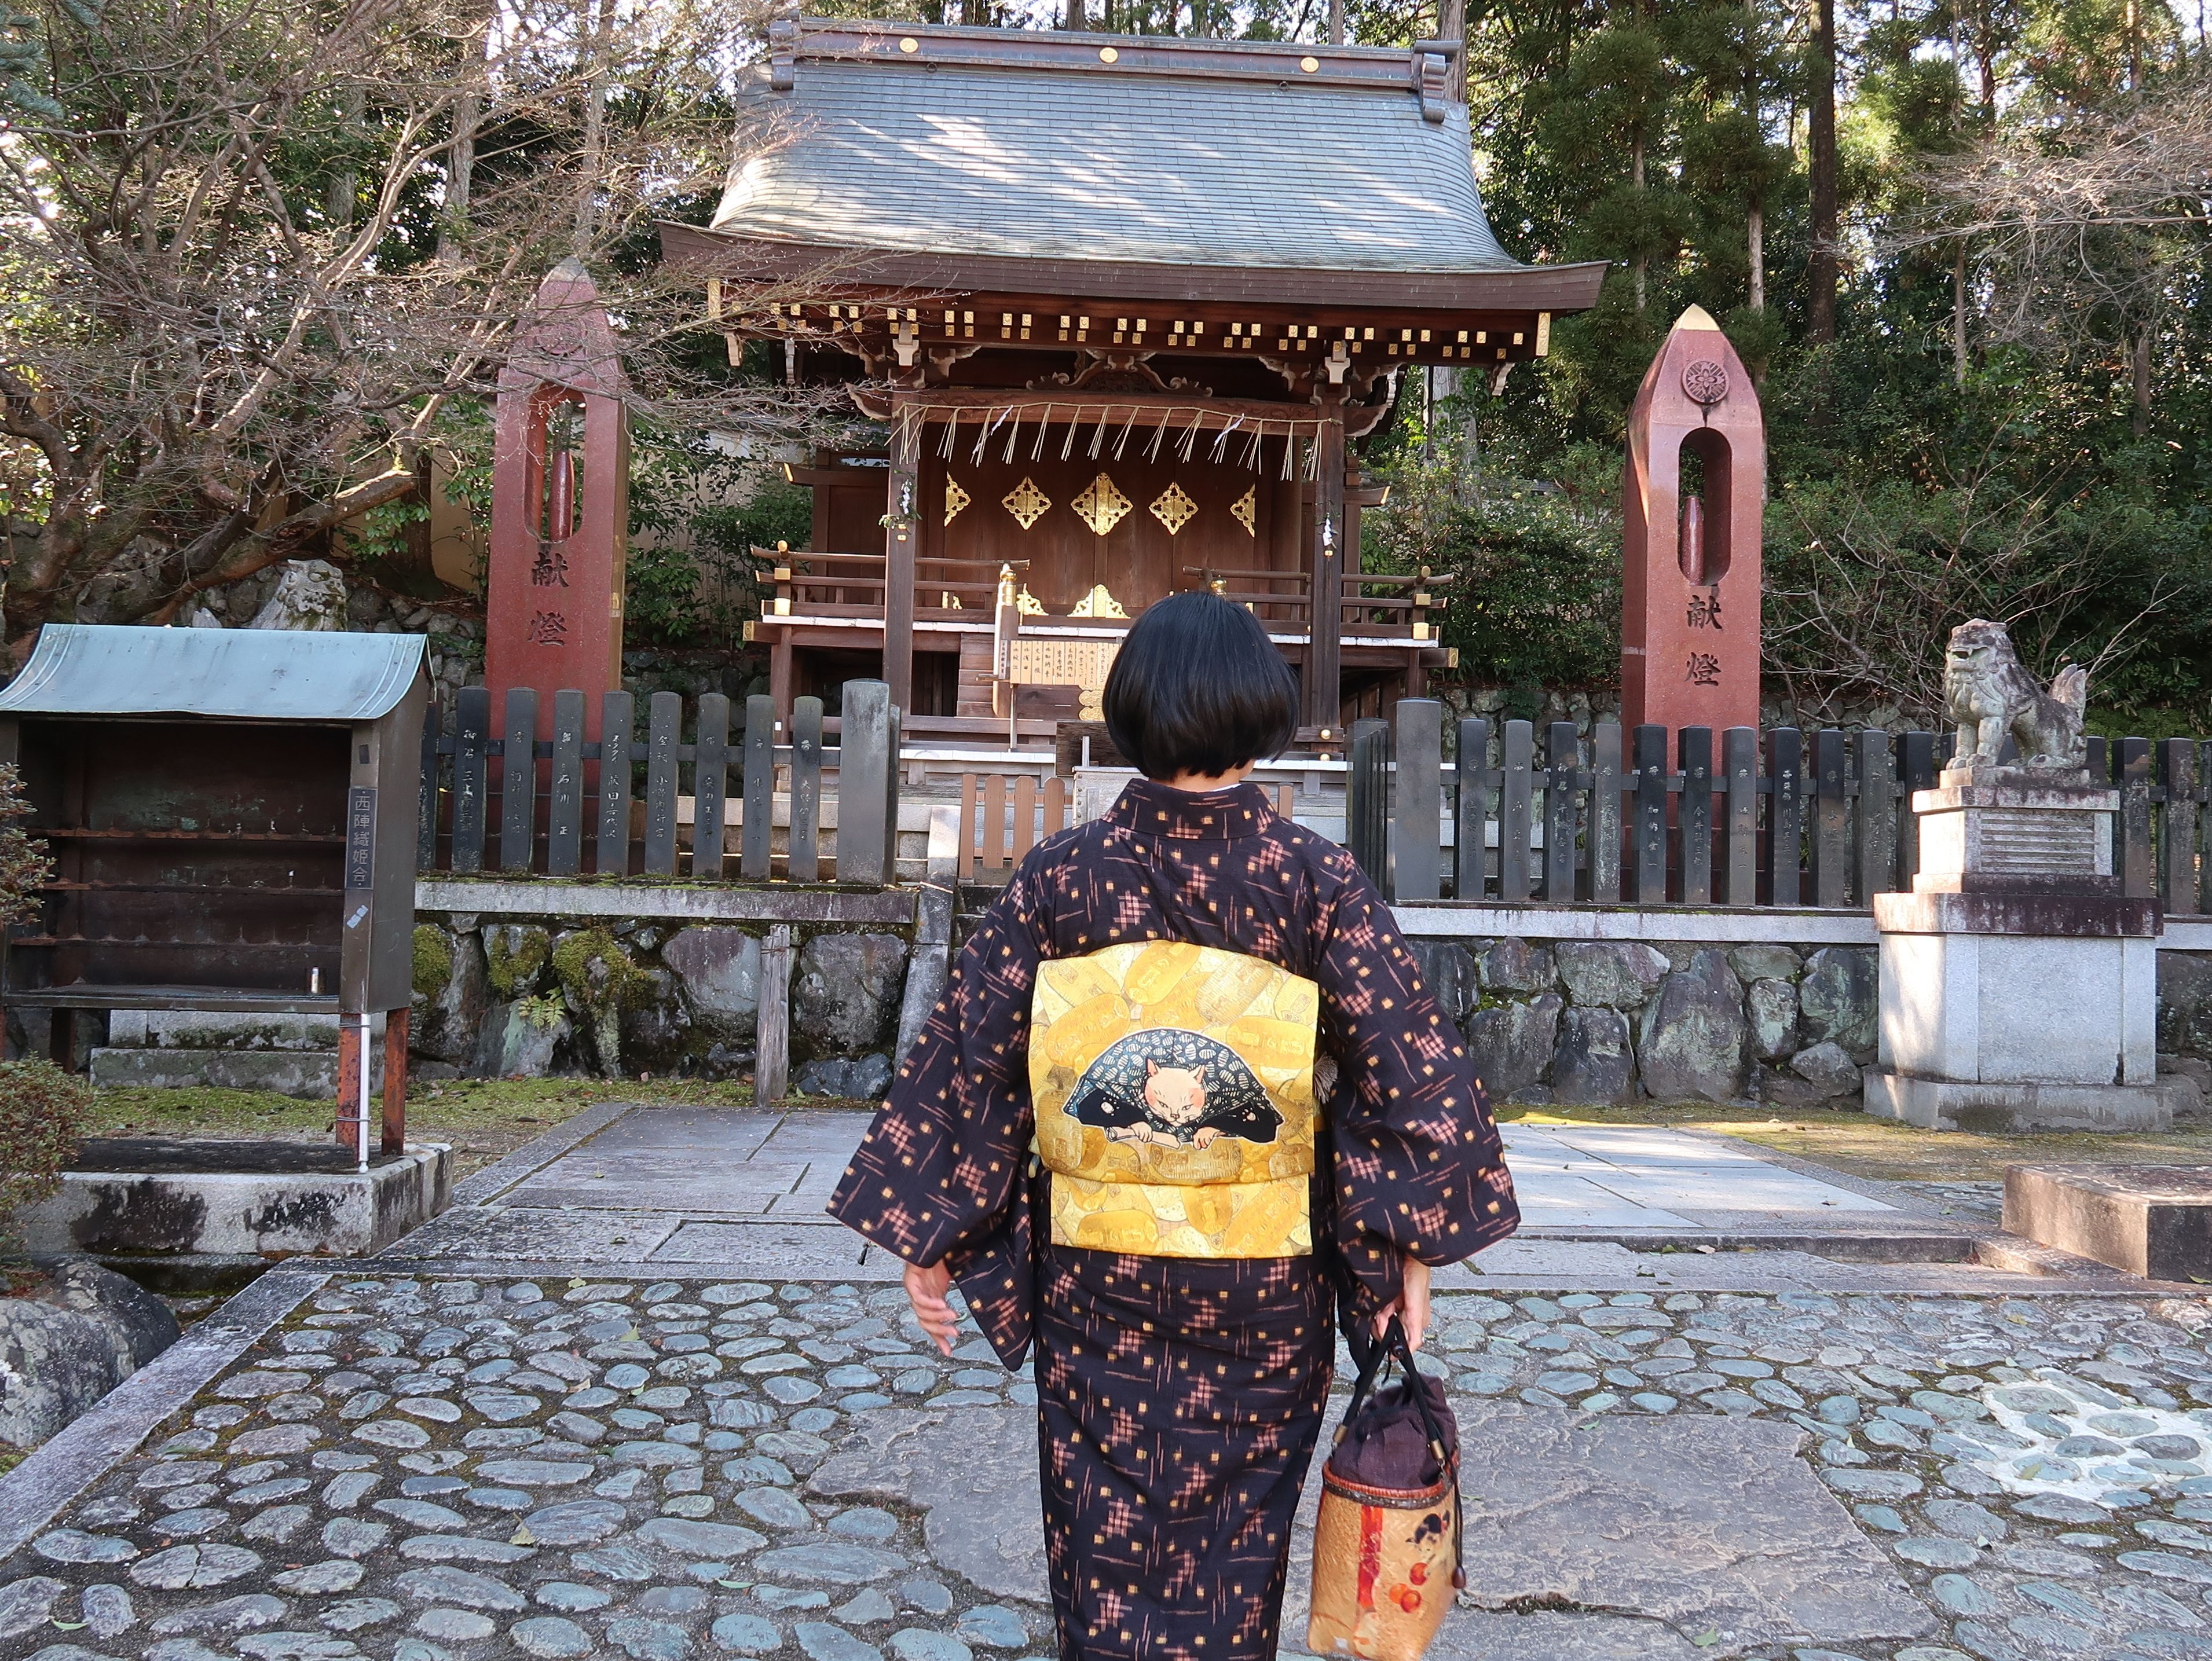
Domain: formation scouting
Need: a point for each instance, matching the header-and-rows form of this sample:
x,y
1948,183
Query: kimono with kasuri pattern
x,y
1180,1397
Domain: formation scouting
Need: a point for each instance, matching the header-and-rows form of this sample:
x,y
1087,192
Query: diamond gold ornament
x,y
955,499
1102,505
1026,503
1245,509
1174,508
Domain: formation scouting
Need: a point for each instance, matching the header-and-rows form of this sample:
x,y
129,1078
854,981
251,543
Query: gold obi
x,y
1173,1087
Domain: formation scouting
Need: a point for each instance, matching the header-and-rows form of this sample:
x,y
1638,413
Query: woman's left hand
x,y
1410,1305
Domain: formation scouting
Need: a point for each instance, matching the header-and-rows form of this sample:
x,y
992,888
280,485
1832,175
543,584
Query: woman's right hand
x,y
924,1290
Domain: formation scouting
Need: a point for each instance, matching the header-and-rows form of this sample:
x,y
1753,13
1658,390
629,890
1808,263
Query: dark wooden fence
x,y
610,806
1697,818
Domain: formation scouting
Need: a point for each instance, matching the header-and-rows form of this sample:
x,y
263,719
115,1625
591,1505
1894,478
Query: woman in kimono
x,y
1184,1091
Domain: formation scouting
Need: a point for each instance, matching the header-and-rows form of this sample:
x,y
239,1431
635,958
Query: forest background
x,y
256,262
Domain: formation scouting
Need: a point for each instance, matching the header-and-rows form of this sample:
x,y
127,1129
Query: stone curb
x,y
88,1449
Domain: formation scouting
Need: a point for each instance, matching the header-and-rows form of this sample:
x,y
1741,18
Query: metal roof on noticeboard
x,y
247,674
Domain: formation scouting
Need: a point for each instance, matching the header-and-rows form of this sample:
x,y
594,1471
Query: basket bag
x,y
1386,1560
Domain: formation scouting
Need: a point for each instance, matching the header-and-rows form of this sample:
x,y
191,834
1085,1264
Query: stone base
x,y
2149,1220
168,1213
1947,1105
311,1075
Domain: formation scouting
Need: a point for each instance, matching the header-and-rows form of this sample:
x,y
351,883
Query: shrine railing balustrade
x,y
1692,817
618,805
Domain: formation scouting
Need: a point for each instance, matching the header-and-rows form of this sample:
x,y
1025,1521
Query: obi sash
x,y
1173,1090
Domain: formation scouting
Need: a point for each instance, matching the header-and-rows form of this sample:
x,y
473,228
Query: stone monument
x,y
1693,497
559,504
2018,985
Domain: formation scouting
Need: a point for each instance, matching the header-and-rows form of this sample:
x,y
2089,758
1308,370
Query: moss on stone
x,y
434,961
620,985
513,957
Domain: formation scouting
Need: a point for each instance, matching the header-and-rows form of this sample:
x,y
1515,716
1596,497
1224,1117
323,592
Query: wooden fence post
x,y
772,1036
2138,879
1651,831
1785,816
1470,808
1917,773
471,741
1419,795
1877,818
710,784
517,780
1563,751
663,727
1517,787
564,822
804,863
868,760
1740,762
1695,815
1605,813
1367,800
756,845
426,798
617,730
1831,817
2177,829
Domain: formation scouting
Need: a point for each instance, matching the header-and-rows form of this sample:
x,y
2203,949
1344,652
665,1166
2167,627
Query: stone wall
x,y
1610,1021
504,998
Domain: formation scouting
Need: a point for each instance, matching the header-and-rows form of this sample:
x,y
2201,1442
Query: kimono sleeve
x,y
937,1174
1416,1164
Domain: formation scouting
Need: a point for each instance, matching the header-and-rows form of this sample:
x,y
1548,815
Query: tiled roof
x,y
1032,161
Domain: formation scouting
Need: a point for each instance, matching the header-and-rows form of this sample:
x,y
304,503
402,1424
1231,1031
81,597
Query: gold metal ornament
x,y
955,499
1102,505
1245,509
1099,604
1174,508
1026,503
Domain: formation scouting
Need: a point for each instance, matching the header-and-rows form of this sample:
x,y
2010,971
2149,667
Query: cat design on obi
x,y
1173,1088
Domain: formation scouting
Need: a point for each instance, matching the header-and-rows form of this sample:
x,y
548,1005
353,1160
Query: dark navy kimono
x,y
1179,1398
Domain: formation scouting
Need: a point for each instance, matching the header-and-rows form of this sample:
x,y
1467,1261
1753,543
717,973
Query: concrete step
x,y
311,1075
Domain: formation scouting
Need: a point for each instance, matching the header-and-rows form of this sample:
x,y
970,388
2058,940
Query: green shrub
x,y
43,1111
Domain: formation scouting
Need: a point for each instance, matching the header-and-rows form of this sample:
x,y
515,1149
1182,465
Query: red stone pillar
x,y
560,508
1690,599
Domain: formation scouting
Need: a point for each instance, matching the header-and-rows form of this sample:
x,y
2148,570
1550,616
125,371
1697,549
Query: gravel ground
x,y
434,1469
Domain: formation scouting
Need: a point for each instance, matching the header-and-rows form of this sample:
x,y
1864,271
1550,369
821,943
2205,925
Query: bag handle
x,y
1373,1357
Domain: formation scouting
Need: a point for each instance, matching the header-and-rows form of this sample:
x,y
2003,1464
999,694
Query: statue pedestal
x,y
2019,988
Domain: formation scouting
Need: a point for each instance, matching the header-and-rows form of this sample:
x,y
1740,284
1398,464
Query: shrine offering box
x,y
232,816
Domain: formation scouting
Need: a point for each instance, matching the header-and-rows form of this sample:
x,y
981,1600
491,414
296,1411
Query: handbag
x,y
1387,1547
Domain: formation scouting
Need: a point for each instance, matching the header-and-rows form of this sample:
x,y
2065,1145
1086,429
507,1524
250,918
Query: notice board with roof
x,y
232,815
1120,302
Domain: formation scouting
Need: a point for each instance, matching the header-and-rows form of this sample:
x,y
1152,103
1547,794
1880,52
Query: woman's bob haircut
x,y
1198,687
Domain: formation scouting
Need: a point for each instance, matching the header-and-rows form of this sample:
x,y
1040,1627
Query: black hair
x,y
1198,687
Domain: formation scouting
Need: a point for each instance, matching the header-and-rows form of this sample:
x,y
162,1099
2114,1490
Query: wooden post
x,y
663,727
710,784
617,730
1470,808
517,780
868,760
472,734
1740,761
2138,881
1419,799
564,825
1564,753
1832,819
902,516
1877,818
395,1081
757,846
1917,772
804,862
426,801
2177,839
1695,815
1324,669
1515,789
1605,813
353,1057
1785,816
1651,833
772,1036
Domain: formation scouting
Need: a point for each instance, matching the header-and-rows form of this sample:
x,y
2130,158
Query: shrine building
x,y
1119,303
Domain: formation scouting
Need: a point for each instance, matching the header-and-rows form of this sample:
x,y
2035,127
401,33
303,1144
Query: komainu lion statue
x,y
1991,696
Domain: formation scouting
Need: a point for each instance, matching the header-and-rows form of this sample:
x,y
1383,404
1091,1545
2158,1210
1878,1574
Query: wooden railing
x,y
612,806
1696,818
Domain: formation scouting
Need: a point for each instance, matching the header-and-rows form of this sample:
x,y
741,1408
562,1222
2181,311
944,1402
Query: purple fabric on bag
x,y
1386,1445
